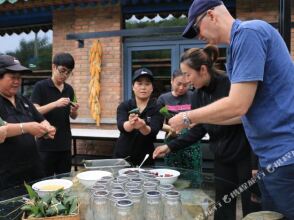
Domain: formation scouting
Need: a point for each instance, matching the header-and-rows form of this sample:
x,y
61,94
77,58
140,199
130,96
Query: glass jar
x,y
137,180
172,205
163,188
115,183
101,207
132,185
114,198
124,210
136,195
122,179
85,206
101,182
116,189
153,207
94,189
149,186
132,175
107,178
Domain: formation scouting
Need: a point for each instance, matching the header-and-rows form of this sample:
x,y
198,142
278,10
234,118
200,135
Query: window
x,y
161,57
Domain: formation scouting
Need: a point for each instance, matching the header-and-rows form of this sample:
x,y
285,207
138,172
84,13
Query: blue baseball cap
x,y
196,9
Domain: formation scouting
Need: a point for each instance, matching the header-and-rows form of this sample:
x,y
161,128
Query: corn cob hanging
x,y
94,86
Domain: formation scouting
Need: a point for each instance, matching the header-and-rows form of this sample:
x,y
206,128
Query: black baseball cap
x,y
197,8
9,63
143,72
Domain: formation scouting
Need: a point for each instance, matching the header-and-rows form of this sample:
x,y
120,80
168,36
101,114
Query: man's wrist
x,y
186,120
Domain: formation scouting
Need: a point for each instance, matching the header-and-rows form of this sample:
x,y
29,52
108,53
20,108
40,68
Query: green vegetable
x,y
52,204
164,111
75,99
135,111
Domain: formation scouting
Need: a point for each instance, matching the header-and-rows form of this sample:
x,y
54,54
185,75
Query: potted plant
x,y
58,205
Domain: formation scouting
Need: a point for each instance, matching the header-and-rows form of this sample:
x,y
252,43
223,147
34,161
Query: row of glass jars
x,y
134,197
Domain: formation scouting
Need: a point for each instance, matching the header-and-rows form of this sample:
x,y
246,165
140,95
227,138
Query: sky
x,y
11,42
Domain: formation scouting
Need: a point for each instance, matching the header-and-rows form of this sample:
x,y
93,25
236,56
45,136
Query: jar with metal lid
x,y
136,195
172,205
124,210
153,207
101,208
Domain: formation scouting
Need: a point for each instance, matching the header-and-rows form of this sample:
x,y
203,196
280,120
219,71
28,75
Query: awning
x,y
18,16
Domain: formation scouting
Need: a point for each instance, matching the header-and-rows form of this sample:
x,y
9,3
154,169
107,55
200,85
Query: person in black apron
x,y
18,153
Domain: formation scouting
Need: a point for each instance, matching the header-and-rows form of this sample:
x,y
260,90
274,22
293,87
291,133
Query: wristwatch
x,y
186,119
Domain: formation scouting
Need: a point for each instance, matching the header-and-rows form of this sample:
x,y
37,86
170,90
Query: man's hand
x,y
62,102
176,122
3,133
160,151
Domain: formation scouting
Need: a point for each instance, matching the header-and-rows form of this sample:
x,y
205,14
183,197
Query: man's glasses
x,y
64,71
197,23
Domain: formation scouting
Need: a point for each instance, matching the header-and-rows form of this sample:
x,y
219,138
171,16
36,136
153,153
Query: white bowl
x,y
48,186
161,175
123,171
88,178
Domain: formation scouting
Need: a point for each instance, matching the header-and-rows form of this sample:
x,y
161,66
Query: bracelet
x,y
186,119
21,127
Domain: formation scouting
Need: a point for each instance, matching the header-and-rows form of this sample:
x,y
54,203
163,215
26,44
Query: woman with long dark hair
x,y
228,142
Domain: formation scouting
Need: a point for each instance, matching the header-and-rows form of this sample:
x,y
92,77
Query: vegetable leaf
x,y
165,112
135,111
31,192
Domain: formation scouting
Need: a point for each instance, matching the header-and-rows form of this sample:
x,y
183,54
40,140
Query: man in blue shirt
x,y
261,72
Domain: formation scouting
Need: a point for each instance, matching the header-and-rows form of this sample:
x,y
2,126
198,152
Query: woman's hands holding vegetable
x,y
136,121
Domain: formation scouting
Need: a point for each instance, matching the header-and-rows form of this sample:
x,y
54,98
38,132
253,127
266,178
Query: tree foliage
x,y
25,53
173,22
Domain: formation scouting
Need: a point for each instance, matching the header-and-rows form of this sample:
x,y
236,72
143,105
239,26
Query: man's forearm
x,y
219,111
46,108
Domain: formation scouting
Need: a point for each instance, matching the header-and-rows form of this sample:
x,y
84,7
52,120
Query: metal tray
x,y
106,164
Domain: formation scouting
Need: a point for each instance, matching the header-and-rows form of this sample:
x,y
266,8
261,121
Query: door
x,y
161,57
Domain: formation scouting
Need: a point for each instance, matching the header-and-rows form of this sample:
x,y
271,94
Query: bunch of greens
x,y
165,112
52,204
135,111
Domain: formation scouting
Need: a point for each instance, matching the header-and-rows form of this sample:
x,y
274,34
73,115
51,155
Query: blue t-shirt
x,y
258,53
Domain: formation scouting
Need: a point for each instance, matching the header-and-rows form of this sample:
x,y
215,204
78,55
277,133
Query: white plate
x,y
164,179
88,178
122,171
51,185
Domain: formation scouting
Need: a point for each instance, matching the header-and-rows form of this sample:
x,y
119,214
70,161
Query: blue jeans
x,y
277,189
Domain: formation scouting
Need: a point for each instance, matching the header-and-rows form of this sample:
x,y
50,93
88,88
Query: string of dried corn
x,y
94,86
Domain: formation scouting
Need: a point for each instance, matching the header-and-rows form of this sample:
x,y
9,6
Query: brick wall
x,y
102,18
267,10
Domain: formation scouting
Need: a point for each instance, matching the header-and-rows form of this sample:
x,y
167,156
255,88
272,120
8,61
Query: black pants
x,y
56,162
228,177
